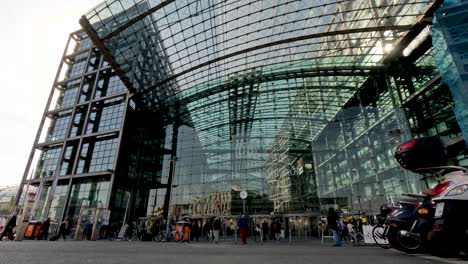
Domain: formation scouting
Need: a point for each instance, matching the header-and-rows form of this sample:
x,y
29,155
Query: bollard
x,y
235,234
261,236
290,237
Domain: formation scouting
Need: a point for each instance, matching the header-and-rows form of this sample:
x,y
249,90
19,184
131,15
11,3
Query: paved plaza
x,y
41,252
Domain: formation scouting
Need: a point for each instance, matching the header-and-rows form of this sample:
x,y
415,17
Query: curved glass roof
x,y
250,69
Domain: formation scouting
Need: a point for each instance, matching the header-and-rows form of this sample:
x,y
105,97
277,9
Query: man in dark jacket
x,y
8,229
195,233
332,220
217,229
44,232
265,229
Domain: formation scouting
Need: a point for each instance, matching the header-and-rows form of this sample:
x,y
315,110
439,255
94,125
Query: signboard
x,y
367,232
368,238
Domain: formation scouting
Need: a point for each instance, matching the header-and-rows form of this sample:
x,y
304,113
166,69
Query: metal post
x,y
36,200
290,237
243,206
25,198
173,161
235,232
51,192
261,236
224,220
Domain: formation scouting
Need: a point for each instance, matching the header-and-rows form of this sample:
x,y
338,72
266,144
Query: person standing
x,y
277,230
332,220
195,231
272,230
258,233
217,229
265,229
243,225
44,232
8,229
206,230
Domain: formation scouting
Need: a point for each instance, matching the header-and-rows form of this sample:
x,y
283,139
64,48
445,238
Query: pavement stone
x,y
107,252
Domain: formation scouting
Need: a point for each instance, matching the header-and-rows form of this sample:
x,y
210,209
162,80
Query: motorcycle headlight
x,y
458,190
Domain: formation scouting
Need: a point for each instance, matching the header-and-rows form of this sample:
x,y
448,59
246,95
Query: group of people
x,y
9,230
211,230
272,232
341,229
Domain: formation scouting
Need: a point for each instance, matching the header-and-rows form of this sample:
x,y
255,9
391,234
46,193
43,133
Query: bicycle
x,y
378,234
355,238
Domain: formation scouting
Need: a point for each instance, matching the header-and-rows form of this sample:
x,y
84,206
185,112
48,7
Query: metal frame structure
x,y
294,101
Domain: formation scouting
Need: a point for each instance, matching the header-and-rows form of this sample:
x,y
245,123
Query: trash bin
x,y
32,230
182,231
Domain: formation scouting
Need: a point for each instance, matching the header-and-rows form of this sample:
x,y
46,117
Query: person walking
x,y
206,230
195,231
63,230
217,229
8,229
243,225
332,220
44,231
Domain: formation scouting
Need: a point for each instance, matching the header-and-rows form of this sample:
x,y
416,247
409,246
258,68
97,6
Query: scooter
x,y
449,233
416,238
407,227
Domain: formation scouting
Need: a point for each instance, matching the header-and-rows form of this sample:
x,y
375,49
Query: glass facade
x,y
174,107
81,130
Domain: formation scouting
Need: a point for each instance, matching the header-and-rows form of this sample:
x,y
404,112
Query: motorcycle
x,y
449,233
406,228
400,218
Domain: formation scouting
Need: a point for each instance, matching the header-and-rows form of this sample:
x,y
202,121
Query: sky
x,y
33,35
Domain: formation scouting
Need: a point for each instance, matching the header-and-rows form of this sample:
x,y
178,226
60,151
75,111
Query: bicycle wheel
x,y
377,234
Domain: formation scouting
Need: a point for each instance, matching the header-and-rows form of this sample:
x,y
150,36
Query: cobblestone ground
x,y
41,252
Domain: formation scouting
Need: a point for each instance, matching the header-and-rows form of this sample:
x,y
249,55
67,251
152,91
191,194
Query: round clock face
x,y
243,194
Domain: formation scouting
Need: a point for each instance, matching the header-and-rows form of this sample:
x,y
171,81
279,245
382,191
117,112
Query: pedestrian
x,y
206,230
63,230
332,220
147,230
44,231
8,229
258,233
277,230
155,230
243,225
265,229
88,230
272,230
210,230
129,231
343,229
195,231
217,229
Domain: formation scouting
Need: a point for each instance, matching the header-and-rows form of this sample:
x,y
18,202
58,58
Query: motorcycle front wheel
x,y
408,244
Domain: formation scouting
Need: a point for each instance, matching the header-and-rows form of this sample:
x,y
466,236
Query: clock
x,y
243,195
